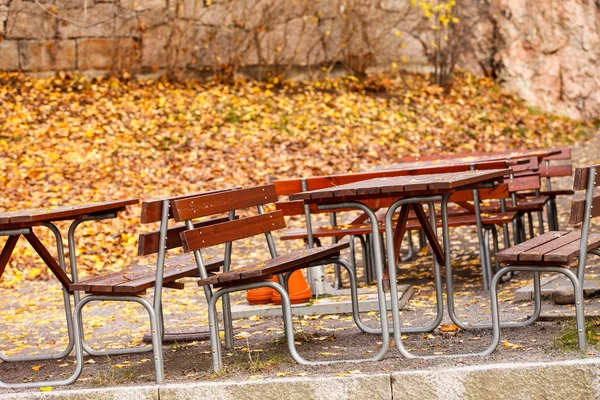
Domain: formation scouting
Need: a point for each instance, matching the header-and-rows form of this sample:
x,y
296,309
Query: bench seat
x,y
282,264
139,277
413,224
551,249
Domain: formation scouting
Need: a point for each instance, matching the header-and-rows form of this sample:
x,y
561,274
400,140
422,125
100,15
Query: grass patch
x,y
568,339
115,375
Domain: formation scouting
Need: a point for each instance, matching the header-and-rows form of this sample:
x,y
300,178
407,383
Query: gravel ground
x,y
33,310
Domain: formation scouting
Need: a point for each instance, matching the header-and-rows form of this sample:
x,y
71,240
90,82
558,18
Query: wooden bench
x,y
137,278
129,284
257,273
554,251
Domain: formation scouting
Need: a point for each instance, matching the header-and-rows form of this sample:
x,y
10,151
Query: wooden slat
x,y
512,253
298,259
152,209
567,253
203,206
526,204
7,250
49,260
578,209
148,242
296,207
499,191
564,153
554,171
66,212
170,274
581,177
293,186
233,230
137,278
401,185
429,233
537,253
529,182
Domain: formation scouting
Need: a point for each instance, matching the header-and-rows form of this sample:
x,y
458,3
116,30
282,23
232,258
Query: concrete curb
x,y
576,379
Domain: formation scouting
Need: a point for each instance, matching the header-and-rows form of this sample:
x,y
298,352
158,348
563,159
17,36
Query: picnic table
x,y
409,192
15,224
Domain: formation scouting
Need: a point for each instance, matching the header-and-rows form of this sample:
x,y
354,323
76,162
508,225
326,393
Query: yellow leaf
x,y
36,367
46,388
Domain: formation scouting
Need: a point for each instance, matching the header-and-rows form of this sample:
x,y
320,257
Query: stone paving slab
x,y
577,379
326,305
559,288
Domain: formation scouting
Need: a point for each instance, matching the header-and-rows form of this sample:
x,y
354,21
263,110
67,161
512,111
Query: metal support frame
x,y
77,297
578,288
447,259
285,300
154,329
68,315
576,279
66,297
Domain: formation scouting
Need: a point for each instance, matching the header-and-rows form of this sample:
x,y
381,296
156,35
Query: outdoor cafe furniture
x,y
554,251
463,215
409,193
132,283
259,273
15,224
547,171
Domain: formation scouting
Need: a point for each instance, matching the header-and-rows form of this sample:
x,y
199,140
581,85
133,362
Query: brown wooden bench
x,y
257,273
554,251
129,284
137,278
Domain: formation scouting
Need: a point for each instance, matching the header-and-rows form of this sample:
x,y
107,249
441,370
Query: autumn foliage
x,y
68,140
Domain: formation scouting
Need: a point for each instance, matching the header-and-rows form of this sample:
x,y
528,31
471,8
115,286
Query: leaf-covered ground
x,y
72,140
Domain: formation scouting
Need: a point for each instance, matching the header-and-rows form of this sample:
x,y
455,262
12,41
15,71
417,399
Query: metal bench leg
x,y
411,250
530,224
577,287
368,277
353,294
67,304
398,331
540,215
154,328
365,255
215,342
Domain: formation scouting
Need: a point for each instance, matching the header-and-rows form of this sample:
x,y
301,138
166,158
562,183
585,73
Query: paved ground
x,y
33,311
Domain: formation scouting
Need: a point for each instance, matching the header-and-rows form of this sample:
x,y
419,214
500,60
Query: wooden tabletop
x,y
396,186
532,157
77,211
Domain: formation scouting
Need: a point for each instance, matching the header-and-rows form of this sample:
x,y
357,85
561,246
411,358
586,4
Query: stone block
x,y
117,393
107,54
98,21
140,5
9,55
49,55
337,388
27,21
154,47
68,4
151,18
532,382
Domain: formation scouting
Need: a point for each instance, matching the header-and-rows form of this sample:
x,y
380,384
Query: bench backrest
x,y
194,207
586,178
583,210
152,211
296,185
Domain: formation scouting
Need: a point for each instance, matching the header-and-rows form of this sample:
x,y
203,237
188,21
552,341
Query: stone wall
x,y
545,51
